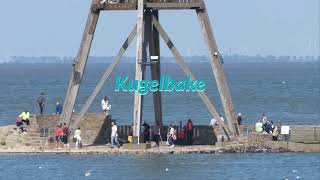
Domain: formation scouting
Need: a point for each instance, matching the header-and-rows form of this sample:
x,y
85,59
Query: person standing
x,y
264,118
239,119
105,105
59,134
59,108
65,131
156,134
114,135
77,136
146,132
189,127
172,136
41,102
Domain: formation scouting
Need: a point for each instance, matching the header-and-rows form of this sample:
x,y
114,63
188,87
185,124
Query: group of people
x,y
184,134
62,133
265,126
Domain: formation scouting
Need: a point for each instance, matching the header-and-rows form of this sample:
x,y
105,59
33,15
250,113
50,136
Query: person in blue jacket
x,y
59,108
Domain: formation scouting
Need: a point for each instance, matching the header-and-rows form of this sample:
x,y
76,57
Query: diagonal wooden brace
x,y
216,64
187,71
79,65
104,77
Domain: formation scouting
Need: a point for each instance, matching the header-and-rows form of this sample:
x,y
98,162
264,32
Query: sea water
x,y
171,167
285,92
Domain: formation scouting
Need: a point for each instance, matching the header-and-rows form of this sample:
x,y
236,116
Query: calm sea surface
x,y
286,92
138,167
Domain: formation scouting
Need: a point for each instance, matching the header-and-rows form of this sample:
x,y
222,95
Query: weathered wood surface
x,y
133,5
216,64
80,64
187,71
104,77
154,50
174,6
137,112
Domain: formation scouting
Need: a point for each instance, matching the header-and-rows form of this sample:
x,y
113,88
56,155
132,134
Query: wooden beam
x,y
154,50
104,77
137,112
174,6
117,6
150,5
187,71
80,64
216,64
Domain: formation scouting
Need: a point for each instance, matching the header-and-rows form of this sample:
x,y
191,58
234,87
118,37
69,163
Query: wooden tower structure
x,y
148,31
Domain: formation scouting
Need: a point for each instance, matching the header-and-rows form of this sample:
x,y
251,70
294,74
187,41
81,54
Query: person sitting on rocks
x,y
24,116
275,133
19,124
259,125
268,127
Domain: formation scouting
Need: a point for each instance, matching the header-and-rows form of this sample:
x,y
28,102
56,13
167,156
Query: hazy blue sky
x,y
55,27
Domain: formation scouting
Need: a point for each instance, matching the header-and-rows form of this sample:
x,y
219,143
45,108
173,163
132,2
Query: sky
x,y
249,27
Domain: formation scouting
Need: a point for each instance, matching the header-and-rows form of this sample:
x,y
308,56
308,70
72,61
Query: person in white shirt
x,y
77,136
114,135
213,122
172,136
105,105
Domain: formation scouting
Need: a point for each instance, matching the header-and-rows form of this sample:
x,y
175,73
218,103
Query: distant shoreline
x,y
189,62
189,59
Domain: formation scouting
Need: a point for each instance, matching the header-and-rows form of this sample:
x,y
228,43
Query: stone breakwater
x,y
96,134
12,141
154,150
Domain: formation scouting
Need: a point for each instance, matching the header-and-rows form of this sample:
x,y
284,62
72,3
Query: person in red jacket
x,y
58,133
189,130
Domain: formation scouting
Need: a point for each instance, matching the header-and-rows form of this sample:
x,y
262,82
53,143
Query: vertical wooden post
x,y
80,63
216,64
137,112
154,50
